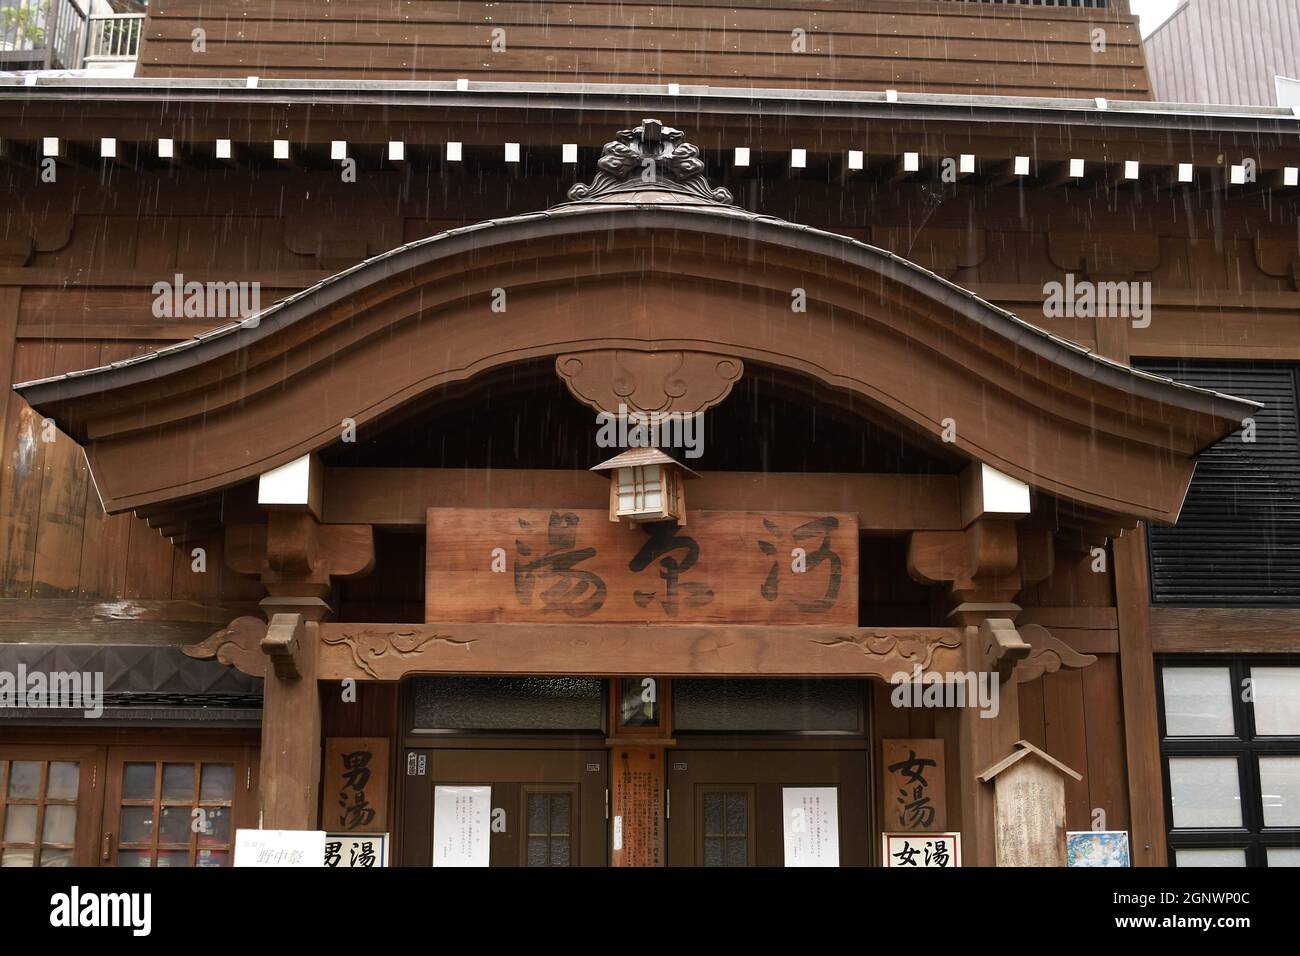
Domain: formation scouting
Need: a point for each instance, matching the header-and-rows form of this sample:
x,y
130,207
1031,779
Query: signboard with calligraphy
x,y
356,851
280,848
921,850
724,567
811,821
461,817
355,784
915,785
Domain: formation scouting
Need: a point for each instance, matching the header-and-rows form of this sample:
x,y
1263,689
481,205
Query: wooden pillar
x,y
1138,680
289,774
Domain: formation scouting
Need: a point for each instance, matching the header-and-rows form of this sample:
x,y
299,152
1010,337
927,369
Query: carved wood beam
x,y
389,652
281,644
980,565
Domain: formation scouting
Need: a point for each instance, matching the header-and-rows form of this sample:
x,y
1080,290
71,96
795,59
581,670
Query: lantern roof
x,y
639,458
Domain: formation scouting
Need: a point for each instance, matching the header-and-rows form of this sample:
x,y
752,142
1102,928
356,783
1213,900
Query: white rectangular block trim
x,y
108,147
569,153
674,89
223,149
251,83
396,150
462,84
1237,175
512,152
454,152
280,149
295,486
987,492
891,96
1131,168
966,164
798,158
1022,166
338,149
911,162
50,146
741,156
166,149
856,159
1184,172
1076,168
1291,176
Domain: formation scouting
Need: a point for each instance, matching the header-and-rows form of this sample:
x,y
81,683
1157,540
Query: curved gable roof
x,y
648,270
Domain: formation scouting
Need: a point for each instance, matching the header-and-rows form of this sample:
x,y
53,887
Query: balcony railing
x,y
62,35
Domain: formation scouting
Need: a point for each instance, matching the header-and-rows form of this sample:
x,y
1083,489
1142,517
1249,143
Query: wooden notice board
x,y
637,816
724,567
915,785
354,781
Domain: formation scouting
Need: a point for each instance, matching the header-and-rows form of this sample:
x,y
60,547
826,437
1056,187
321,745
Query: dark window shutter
x,y
1237,542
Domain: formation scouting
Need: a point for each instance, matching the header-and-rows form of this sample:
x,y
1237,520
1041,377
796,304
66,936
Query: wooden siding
x,y
908,45
1212,51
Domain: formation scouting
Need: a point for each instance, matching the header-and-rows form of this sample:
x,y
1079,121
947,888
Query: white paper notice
x,y
298,848
461,820
812,826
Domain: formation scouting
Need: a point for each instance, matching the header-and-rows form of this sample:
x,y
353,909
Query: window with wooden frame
x,y
48,808
176,806
550,836
1230,741
725,824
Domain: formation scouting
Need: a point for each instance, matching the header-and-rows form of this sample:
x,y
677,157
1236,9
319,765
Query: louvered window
x,y
1237,542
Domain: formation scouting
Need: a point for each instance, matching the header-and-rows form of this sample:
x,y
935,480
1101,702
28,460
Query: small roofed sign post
x,y
1029,811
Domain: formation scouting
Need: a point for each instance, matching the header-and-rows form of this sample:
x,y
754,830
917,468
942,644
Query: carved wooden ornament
x,y
651,382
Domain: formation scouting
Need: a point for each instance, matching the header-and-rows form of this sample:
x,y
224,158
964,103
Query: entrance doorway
x,y
726,807
547,807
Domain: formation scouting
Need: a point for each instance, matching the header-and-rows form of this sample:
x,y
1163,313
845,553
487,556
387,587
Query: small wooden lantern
x,y
646,485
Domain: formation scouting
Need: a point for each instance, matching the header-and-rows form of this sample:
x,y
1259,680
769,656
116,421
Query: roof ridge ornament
x,y
650,158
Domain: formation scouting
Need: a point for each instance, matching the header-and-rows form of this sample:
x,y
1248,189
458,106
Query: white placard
x,y
461,818
811,818
920,850
296,848
346,851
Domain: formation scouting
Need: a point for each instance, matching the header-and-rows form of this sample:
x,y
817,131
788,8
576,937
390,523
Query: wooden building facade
x,y
976,368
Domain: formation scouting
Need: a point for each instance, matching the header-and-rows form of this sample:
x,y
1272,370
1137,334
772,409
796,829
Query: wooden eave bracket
x,y
236,645
1048,655
281,644
1002,645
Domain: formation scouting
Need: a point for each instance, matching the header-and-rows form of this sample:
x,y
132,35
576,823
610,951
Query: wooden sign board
x,y
354,780
637,806
916,851
1029,815
725,567
361,851
915,785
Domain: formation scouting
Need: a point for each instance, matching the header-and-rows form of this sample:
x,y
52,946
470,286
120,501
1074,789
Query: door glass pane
x,y
20,824
724,827
218,783
1198,702
1279,788
215,827
51,856
138,781
173,858
24,780
550,822
65,776
1209,857
133,858
1205,791
1277,701
137,825
17,856
213,858
178,782
1283,856
175,826
60,825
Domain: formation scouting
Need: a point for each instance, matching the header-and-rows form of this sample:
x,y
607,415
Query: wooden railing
x,y
61,35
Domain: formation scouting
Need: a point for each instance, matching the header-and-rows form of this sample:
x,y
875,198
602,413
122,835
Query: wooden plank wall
x,y
908,45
